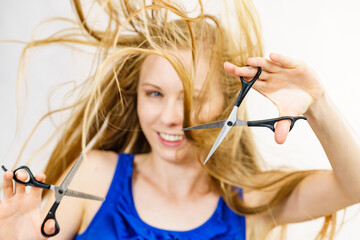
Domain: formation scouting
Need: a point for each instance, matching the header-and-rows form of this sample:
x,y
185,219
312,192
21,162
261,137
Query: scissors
x,y
232,120
59,191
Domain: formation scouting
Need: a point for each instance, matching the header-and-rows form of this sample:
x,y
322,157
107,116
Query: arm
x,y
340,144
324,193
286,80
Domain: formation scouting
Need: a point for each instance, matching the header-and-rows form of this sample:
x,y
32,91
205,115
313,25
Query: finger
x,y
247,72
49,227
36,192
281,131
265,64
283,60
8,185
230,68
22,176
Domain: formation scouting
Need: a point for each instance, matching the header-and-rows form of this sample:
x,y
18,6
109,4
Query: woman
x,y
158,76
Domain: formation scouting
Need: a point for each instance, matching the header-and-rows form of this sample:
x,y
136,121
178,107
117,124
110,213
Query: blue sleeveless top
x,y
117,217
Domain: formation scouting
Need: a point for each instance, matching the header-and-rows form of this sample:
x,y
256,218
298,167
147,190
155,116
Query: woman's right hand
x,y
20,210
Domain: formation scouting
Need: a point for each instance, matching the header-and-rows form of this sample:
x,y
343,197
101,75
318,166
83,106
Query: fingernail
x,y
229,64
276,56
8,174
19,174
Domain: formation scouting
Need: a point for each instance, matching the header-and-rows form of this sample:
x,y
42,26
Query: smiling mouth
x,y
171,137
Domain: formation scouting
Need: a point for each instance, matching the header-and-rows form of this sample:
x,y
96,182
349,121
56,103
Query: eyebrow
x,y
149,84
196,91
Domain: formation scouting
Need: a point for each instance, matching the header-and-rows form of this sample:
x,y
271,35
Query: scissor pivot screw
x,y
229,123
61,191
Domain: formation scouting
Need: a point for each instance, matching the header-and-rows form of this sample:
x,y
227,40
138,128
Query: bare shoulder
x,y
96,176
261,223
93,177
99,161
97,171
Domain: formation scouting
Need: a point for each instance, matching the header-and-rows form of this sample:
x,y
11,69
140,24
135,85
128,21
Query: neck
x,y
176,179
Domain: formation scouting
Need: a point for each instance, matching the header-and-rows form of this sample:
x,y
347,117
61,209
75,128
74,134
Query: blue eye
x,y
154,94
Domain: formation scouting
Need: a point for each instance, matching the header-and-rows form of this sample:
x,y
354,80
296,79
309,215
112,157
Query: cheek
x,y
142,109
148,112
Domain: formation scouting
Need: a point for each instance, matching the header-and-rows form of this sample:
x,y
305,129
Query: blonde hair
x,y
105,112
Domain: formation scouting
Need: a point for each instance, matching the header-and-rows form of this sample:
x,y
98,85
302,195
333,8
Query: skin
x,y
177,186
27,216
168,174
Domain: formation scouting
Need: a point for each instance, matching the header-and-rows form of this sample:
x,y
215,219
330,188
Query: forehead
x,y
159,70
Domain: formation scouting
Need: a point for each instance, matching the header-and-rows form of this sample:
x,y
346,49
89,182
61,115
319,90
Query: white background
x,y
325,34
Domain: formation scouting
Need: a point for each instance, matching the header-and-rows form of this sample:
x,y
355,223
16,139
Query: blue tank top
x,y
117,217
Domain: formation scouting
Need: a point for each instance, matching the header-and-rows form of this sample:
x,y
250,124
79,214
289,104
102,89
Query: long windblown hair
x,y
105,111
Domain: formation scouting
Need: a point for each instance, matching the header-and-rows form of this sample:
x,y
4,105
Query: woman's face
x,y
160,104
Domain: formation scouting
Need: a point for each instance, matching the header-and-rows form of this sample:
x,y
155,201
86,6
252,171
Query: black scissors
x,y
234,121
59,191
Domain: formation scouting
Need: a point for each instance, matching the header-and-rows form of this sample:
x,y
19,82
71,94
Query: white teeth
x,y
171,138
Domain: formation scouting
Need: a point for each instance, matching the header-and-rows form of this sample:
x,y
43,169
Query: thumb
x,y
49,227
281,131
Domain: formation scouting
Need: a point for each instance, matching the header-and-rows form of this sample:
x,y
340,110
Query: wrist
x,y
316,109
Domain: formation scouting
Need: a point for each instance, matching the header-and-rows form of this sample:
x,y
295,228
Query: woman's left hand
x,y
290,84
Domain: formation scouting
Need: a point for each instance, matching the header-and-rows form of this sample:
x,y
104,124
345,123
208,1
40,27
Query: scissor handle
x,y
270,123
30,181
245,87
51,215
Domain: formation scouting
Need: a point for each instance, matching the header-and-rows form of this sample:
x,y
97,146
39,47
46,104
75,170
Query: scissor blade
x,y
240,123
217,124
72,193
64,185
224,131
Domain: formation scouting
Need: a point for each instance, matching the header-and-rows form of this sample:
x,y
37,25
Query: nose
x,y
172,114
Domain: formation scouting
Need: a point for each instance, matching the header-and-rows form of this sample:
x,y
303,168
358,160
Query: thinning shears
x,y
232,120
59,191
